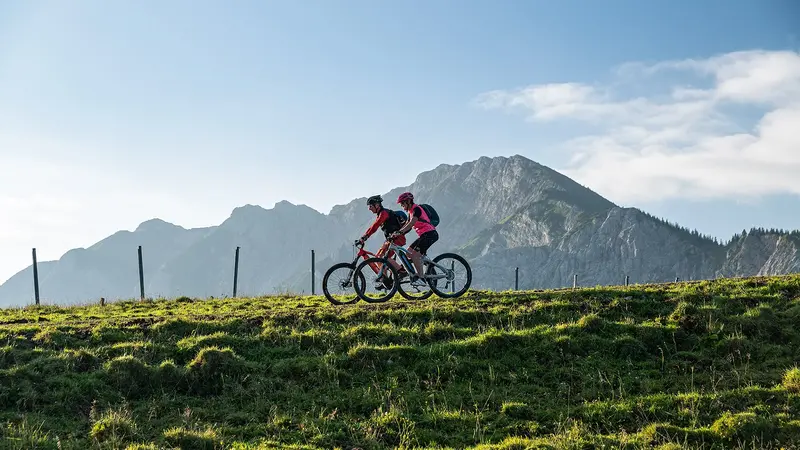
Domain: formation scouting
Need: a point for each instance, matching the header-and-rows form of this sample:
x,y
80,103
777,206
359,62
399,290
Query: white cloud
x,y
735,137
547,101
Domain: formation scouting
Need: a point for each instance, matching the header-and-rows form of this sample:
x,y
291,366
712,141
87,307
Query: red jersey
x,y
380,220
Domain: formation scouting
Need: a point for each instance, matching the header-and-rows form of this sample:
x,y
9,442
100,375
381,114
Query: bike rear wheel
x,y
369,269
343,282
445,286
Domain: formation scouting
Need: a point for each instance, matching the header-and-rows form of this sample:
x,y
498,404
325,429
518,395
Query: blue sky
x,y
225,104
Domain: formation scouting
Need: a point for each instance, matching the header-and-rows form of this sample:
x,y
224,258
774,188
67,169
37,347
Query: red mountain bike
x,y
348,279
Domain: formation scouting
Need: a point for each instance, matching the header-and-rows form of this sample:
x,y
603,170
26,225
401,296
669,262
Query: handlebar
x,y
360,244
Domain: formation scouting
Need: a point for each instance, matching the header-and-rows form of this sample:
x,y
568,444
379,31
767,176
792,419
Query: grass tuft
x,y
791,380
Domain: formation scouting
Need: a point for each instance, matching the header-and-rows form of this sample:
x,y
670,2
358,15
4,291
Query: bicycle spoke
x,y
418,292
379,277
453,276
338,284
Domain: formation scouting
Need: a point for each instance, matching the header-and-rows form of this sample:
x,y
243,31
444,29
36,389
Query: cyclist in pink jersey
x,y
427,233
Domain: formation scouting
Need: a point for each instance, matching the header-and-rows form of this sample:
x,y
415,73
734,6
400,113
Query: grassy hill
x,y
685,365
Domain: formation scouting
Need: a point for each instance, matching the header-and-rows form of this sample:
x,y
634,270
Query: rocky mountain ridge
x,y
500,213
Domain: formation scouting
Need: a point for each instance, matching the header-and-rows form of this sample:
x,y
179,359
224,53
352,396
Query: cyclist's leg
x,y
384,250
420,247
433,236
391,256
416,259
385,281
399,241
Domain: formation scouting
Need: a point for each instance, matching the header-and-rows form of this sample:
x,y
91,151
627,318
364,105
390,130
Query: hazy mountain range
x,y
499,213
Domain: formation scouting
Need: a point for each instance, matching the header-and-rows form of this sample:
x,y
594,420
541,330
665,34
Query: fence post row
x,y
236,275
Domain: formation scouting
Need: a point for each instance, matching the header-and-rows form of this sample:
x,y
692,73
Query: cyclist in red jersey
x,y
389,222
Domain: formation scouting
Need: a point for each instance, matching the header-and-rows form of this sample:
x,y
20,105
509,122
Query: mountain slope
x,y
471,198
108,268
552,246
500,213
274,243
475,195
761,252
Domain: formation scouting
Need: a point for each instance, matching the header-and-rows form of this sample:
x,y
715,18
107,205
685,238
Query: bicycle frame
x,y
364,254
402,254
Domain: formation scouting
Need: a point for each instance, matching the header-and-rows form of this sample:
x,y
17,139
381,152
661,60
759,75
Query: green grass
x,y
684,365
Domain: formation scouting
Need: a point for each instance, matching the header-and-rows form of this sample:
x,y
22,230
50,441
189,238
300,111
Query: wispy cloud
x,y
725,126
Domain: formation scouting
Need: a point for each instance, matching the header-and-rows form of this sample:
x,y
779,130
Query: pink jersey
x,y
421,226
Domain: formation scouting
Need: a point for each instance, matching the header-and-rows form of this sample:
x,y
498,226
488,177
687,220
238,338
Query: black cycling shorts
x,y
424,242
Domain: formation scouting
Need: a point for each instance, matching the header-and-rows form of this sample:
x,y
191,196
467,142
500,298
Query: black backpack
x,y
394,222
432,214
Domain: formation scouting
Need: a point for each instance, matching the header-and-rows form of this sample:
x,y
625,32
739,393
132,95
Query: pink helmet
x,y
405,196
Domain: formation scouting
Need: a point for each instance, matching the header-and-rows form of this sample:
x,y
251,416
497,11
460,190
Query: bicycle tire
x,y
327,275
388,267
410,297
459,258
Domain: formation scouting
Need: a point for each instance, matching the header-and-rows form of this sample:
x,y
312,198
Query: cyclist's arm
x,y
375,225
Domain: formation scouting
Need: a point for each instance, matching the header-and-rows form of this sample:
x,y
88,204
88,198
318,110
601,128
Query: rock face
x,y
499,213
761,252
601,248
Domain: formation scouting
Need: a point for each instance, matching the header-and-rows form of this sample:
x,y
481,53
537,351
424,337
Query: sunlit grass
x,y
711,364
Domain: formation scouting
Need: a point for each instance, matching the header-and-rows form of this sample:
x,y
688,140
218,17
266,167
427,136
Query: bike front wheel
x,y
411,292
341,280
449,269
380,280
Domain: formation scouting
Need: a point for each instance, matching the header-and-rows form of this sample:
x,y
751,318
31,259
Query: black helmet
x,y
374,199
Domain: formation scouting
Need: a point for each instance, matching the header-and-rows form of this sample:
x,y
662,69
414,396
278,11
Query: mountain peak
x,y
284,208
297,208
246,212
155,225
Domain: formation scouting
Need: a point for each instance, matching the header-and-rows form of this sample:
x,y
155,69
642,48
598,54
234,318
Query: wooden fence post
x,y
141,275
235,271
35,277
312,272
